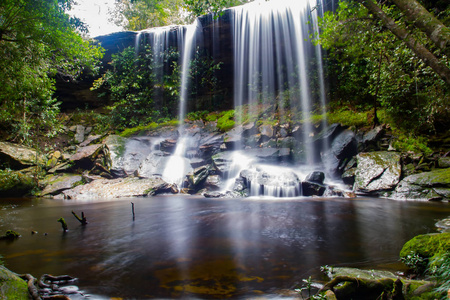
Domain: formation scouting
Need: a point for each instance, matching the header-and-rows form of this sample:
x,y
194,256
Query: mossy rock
x,y
417,252
15,184
12,287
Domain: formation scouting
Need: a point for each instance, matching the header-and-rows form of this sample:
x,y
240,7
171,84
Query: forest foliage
x,y
370,67
39,41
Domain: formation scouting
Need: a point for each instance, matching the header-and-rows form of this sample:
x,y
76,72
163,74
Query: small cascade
x,y
178,165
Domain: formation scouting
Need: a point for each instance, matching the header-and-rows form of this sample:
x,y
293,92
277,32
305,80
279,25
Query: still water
x,y
184,246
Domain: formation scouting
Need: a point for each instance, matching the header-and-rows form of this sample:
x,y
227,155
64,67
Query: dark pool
x,y
184,246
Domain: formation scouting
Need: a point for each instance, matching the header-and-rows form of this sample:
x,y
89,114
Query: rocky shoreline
x,y
112,166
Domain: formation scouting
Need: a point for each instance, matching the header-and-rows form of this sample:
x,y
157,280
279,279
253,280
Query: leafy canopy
x,y
38,41
369,66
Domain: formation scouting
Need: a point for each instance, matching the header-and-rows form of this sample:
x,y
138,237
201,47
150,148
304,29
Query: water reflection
x,y
180,246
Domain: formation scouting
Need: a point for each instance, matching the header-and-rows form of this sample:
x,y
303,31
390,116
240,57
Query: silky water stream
x,y
185,246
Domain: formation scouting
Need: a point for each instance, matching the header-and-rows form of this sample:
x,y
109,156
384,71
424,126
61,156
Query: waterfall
x,y
277,76
272,67
178,165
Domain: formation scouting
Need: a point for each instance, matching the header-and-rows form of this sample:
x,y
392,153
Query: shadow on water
x,y
183,246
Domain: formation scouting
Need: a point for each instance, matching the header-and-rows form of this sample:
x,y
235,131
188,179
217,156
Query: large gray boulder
x,y
18,157
342,147
427,186
117,188
56,184
377,171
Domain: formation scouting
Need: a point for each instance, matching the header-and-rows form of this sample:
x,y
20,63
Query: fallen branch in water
x,y
82,220
63,224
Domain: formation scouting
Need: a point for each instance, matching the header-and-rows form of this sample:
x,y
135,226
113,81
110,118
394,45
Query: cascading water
x,y
271,64
178,165
278,78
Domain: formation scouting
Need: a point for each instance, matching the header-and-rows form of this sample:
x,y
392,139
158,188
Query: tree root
x,y
48,286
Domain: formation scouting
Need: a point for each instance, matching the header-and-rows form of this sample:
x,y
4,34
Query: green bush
x,y
440,269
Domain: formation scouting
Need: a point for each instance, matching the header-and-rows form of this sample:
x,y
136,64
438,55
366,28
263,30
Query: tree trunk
x,y
425,21
423,53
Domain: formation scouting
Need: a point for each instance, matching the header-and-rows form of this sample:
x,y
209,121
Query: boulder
x,y
377,171
91,139
427,186
15,184
18,157
85,156
312,189
168,145
12,286
342,148
56,184
316,176
118,188
115,151
213,182
266,131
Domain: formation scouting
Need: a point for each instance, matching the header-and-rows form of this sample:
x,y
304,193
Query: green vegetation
x,y
420,250
226,121
440,270
39,41
145,128
370,67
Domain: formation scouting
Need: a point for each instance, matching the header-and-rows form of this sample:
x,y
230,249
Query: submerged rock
x,y
377,171
427,186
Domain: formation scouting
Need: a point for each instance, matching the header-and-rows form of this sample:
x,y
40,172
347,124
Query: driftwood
x,y
63,224
82,220
385,288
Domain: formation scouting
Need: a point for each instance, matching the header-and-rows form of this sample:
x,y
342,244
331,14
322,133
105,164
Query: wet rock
x,y
56,184
63,167
15,184
342,148
214,194
168,145
427,186
117,188
17,157
115,151
199,175
316,177
210,145
153,165
377,171
312,189
213,182
348,177
266,131
12,286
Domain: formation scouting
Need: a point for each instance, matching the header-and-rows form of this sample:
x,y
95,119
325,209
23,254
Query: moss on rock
x,y
15,184
12,287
